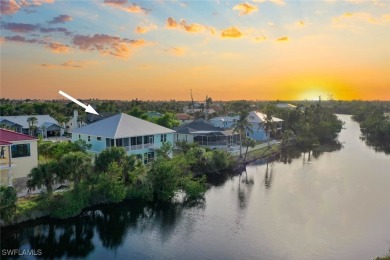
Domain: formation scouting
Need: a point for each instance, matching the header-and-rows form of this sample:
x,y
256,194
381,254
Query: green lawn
x,y
260,153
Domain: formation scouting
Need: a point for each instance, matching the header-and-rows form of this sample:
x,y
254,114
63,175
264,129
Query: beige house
x,y
18,155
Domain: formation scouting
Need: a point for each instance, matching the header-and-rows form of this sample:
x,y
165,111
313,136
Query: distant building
x,y
184,118
153,114
199,110
286,106
18,155
225,122
73,122
135,135
46,125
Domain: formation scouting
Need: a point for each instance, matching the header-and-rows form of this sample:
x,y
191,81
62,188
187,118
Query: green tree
x,y
241,126
44,174
74,166
109,187
168,120
81,119
116,154
248,142
8,200
286,137
164,176
165,150
32,121
268,124
137,112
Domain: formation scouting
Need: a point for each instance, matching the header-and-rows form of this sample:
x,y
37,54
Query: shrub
x,y
8,200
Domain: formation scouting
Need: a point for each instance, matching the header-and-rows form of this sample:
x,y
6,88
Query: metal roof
x,y
258,117
122,126
22,120
197,125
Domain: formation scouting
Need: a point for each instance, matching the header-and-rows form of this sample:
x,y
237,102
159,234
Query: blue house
x,y
135,135
256,120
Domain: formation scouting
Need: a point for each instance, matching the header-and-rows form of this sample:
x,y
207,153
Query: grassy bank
x,y
260,153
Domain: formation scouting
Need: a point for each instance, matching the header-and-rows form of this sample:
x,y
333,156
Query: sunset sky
x,y
229,50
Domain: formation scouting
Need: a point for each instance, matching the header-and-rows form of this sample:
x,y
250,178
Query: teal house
x,y
135,135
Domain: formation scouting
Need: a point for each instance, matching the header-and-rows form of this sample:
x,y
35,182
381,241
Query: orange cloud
x,y
12,6
9,6
125,6
283,39
171,23
245,8
177,51
350,19
68,64
231,32
191,28
145,29
57,47
106,44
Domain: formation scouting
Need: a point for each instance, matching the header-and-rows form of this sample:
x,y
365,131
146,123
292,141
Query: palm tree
x,y
81,119
241,126
75,165
43,175
32,121
248,142
43,128
225,109
268,124
287,135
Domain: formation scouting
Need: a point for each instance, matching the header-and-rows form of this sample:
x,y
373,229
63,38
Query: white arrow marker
x,y
88,109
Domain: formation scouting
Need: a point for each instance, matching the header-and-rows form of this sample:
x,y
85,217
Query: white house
x,y
46,125
135,135
224,121
18,155
286,106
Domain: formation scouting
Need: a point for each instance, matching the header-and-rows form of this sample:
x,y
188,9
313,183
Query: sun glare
x,y
313,94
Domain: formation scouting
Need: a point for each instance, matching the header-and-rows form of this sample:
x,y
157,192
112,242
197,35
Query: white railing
x,y
138,147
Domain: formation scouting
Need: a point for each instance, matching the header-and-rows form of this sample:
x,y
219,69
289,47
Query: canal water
x,y
330,205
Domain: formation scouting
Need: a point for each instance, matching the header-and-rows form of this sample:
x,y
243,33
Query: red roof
x,y
4,143
183,116
10,136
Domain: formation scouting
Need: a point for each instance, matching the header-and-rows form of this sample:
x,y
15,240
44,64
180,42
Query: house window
x,y
163,138
20,150
125,141
136,140
79,136
99,138
89,138
247,134
148,139
119,142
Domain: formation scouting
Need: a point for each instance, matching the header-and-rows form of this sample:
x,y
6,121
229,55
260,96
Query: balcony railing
x,y
138,147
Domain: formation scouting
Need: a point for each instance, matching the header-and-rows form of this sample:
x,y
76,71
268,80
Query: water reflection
x,y
245,185
268,175
376,145
73,238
